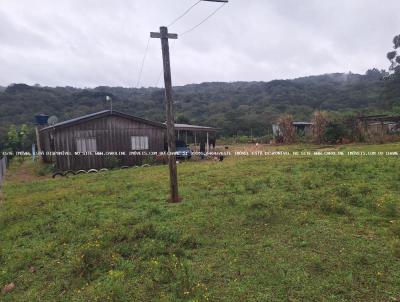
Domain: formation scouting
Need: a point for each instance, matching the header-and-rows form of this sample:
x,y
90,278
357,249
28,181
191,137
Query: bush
x,y
112,162
42,169
334,133
149,160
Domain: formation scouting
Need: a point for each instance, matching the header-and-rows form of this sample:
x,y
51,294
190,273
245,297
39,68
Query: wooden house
x,y
378,128
100,140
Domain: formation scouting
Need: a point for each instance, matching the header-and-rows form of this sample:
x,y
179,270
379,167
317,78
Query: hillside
x,y
248,229
234,107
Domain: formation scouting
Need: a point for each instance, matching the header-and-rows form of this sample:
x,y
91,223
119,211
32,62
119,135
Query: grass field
x,y
304,228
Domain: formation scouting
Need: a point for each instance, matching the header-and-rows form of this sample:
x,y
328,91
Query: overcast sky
x,y
88,43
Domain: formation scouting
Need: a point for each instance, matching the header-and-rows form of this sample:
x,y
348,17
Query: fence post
x,y
3,166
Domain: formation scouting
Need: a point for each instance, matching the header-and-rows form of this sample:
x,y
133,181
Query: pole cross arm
x,y
160,36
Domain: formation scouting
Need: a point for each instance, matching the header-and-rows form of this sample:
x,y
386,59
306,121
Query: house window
x,y
85,145
140,142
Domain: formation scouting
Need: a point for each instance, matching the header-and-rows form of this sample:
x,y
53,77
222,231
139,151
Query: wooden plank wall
x,y
112,134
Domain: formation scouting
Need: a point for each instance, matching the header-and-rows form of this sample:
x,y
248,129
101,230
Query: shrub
x,y
287,129
112,162
334,133
161,159
42,169
149,160
320,122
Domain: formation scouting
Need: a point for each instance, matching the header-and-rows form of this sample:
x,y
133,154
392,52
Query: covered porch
x,y
200,138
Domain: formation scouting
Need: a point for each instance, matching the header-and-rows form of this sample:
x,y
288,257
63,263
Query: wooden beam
x,y
38,143
159,36
208,143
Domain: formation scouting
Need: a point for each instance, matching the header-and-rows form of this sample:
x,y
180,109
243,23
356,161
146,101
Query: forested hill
x,y
233,107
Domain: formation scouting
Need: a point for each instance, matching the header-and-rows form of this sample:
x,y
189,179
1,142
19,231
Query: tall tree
x,y
394,56
320,122
19,138
287,129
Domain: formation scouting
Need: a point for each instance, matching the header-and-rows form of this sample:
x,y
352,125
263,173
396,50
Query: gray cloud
x,y
88,43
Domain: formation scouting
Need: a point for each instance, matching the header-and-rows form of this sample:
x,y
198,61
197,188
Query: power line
x,y
209,16
184,14
159,78
191,29
161,71
142,65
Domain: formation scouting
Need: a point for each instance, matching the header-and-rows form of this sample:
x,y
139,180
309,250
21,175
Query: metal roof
x,y
188,127
380,118
302,123
100,114
104,113
372,116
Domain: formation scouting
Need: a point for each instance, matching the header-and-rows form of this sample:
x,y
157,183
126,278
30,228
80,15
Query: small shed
x,y
302,129
102,139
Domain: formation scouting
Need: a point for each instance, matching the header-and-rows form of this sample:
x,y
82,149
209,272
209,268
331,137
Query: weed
x,y
395,228
388,206
144,231
317,265
189,242
333,206
91,261
396,248
343,191
264,212
253,187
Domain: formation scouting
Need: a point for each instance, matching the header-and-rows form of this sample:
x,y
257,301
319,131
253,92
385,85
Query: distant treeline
x,y
238,108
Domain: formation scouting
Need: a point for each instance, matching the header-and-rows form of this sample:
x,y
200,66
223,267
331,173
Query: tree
x,y
19,138
334,133
394,56
375,74
182,119
287,129
320,122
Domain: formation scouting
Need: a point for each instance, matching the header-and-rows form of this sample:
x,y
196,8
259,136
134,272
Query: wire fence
x,y
3,168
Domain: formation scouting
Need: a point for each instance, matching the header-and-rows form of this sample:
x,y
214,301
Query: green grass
x,y
248,229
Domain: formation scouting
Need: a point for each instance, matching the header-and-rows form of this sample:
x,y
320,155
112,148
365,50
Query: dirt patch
x,y
26,171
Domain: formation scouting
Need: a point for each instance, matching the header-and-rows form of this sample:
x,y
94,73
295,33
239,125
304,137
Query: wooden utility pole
x,y
173,175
